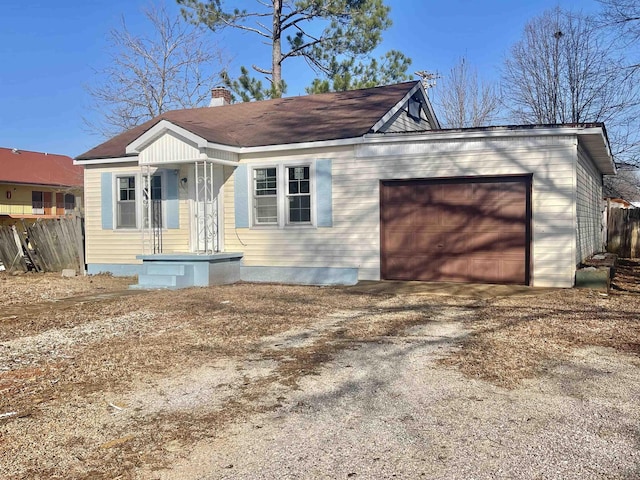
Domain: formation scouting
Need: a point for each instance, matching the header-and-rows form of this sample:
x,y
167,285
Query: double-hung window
x,y
126,203
282,195
265,196
298,195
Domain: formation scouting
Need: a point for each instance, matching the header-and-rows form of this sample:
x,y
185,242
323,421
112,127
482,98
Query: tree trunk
x,y
276,52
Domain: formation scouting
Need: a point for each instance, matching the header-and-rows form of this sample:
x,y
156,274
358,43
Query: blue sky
x,y
49,51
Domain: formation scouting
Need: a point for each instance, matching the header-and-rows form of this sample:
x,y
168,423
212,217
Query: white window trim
x,y
116,199
139,203
281,194
252,182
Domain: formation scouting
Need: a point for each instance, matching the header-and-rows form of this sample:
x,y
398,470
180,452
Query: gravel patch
x,y
386,410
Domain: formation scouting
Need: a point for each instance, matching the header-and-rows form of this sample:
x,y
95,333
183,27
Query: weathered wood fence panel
x,y
623,232
10,250
50,245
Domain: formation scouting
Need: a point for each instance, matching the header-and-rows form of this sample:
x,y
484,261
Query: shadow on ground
x,y
627,276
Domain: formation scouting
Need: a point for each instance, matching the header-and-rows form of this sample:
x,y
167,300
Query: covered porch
x,y
174,167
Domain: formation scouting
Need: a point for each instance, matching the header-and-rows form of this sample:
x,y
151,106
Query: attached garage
x,y
456,229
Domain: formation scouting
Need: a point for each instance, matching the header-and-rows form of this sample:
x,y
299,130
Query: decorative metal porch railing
x,y
156,225
206,209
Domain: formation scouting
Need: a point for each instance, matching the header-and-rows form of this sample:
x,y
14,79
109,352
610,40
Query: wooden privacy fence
x,y
623,232
45,246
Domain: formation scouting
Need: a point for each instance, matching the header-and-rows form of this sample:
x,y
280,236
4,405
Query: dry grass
x,y
63,361
514,340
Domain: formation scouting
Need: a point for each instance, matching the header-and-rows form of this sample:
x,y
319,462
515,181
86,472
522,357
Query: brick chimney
x,y
220,96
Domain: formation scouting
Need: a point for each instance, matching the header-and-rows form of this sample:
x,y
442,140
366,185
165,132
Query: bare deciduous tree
x,y
626,184
171,68
623,17
465,101
564,70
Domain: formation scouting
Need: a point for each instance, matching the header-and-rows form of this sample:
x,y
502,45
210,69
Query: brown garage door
x,y
456,230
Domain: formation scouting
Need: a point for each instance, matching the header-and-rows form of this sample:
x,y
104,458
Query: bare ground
x,y
100,382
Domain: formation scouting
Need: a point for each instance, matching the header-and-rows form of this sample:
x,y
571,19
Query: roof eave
x,y
105,160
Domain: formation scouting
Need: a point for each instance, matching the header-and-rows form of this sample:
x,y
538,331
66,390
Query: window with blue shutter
x,y
282,195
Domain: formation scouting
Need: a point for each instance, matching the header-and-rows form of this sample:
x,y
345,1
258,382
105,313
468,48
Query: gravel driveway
x,y
280,382
385,409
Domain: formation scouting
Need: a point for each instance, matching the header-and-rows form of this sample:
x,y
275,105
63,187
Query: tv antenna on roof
x,y
428,79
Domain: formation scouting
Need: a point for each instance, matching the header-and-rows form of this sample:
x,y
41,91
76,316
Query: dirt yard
x,y
270,381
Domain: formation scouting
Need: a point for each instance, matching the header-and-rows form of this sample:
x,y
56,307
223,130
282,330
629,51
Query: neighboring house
x,y
341,187
38,185
614,202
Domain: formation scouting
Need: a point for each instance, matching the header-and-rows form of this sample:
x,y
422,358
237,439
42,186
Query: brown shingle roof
x,y
328,116
37,168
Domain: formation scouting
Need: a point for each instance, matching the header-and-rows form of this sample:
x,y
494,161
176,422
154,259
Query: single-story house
x,y
341,187
35,185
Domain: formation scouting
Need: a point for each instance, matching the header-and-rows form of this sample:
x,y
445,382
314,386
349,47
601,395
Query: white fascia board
x,y
373,138
288,146
226,148
466,134
603,158
158,130
205,158
431,113
100,161
387,116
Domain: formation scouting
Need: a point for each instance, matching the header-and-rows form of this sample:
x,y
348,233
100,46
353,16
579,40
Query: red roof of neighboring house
x,y
22,166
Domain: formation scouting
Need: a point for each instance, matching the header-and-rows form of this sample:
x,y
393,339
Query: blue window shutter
x,y
323,193
106,191
241,196
172,200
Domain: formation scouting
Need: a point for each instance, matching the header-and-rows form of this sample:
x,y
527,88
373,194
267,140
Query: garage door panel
x,y
456,216
397,195
464,230
439,243
401,267
399,242
456,194
399,216
500,243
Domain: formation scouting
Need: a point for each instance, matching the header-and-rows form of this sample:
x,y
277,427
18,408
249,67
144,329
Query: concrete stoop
x,y
174,271
597,271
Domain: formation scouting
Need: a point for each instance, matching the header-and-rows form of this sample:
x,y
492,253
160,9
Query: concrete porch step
x,y
158,268
165,275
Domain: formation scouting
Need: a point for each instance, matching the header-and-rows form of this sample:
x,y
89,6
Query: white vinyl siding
x,y
402,122
166,149
354,239
115,246
589,208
